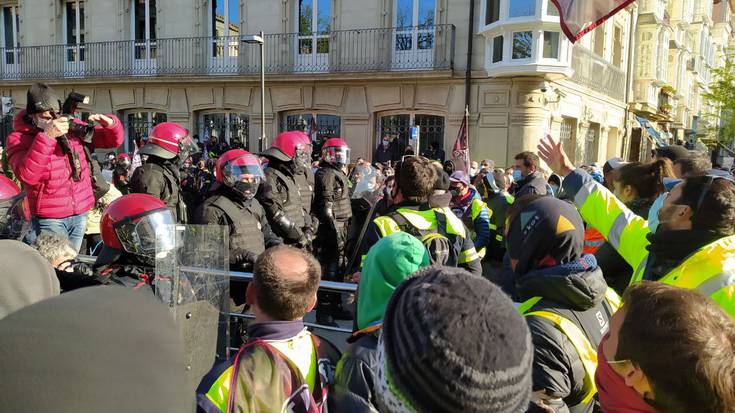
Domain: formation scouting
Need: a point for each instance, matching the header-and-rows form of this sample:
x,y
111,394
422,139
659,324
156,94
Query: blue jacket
x,y
476,215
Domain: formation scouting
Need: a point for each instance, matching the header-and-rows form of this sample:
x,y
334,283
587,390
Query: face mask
x,y
653,221
473,171
554,189
42,123
454,192
386,143
517,175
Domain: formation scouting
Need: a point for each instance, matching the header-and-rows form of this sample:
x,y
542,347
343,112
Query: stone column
x,y
602,144
529,117
580,143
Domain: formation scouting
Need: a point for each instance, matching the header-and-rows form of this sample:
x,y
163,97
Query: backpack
x,y
440,248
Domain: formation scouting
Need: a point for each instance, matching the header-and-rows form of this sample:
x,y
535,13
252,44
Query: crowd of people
x,y
479,289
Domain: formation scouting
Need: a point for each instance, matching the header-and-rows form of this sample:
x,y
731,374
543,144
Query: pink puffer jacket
x,y
43,168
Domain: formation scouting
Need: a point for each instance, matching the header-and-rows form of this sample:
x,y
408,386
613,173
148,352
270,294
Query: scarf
x,y
668,249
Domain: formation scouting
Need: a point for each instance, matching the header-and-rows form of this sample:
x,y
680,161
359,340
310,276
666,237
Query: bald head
x,y
285,281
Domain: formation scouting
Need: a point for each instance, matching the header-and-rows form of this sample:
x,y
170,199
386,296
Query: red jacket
x,y
44,169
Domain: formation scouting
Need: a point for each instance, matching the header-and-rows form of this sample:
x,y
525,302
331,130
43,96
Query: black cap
x,y
673,152
41,97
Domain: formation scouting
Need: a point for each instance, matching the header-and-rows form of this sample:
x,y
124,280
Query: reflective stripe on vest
x,y
219,393
423,220
587,353
468,255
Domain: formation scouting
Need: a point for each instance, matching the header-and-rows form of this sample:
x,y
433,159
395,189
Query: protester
x,y
281,361
474,169
636,185
691,166
388,263
385,151
526,175
121,174
444,234
59,252
498,202
668,350
487,165
452,342
564,298
671,152
554,182
93,350
468,206
608,170
440,197
434,152
51,161
92,238
691,246
167,148
27,278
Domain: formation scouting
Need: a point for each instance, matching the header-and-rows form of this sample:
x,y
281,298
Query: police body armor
x,y
172,194
291,201
243,222
305,183
341,204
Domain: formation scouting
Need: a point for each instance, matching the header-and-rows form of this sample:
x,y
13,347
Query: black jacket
x,y
160,178
354,380
557,368
532,184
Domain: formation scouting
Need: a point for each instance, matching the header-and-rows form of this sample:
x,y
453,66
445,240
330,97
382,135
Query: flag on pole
x,y
136,162
461,148
578,17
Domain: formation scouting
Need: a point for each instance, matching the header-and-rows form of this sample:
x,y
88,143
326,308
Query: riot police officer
x,y
232,205
332,208
305,181
121,173
168,145
134,228
280,195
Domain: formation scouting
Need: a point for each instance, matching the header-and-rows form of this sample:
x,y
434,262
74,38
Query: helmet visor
x,y
244,174
147,234
15,217
336,155
187,147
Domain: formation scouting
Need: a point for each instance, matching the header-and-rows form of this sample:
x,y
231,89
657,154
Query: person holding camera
x,y
48,152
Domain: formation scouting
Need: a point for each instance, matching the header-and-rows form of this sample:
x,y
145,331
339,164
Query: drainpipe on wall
x,y
468,72
629,79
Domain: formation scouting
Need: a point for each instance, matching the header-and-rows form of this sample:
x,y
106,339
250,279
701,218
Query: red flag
x,y
461,148
578,17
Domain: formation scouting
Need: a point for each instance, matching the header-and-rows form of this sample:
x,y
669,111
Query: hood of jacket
x,y
121,347
577,286
535,180
29,279
390,261
20,123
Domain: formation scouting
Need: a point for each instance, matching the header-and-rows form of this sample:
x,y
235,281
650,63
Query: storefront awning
x,y
652,132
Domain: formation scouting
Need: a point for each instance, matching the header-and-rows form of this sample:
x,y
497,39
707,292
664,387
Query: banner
x,y
578,17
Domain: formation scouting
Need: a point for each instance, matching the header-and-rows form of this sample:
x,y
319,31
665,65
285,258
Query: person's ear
x,y
250,294
633,376
628,191
312,304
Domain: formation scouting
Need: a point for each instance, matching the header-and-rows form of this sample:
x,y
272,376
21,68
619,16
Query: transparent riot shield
x,y
192,279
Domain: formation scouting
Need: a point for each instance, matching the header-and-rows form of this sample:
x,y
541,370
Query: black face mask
x,y
245,190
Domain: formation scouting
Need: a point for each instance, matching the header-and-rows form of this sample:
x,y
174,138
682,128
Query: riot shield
x,y
192,278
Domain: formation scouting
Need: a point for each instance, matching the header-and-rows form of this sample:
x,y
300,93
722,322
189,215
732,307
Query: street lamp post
x,y
260,41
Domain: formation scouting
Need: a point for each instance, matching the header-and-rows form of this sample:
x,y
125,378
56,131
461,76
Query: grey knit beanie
x,y
453,342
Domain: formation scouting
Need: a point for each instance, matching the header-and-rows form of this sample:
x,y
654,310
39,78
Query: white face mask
x,y
42,123
473,171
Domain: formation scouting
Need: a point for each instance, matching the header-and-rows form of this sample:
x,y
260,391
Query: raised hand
x,y
101,119
553,154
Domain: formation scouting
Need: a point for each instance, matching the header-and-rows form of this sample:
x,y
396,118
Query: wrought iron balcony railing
x,y
341,51
597,74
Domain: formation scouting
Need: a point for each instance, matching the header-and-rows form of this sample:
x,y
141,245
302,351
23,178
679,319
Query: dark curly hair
x,y
716,212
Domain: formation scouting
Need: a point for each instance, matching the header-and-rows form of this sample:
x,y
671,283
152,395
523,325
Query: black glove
x,y
307,239
244,257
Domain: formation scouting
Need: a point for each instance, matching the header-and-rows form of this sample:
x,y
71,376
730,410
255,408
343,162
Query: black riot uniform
x,y
333,209
280,197
160,178
305,181
250,232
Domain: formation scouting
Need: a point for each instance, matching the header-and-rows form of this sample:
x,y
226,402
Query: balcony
x,y
422,48
597,74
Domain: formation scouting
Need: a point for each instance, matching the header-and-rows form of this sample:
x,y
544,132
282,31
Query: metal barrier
x,y
330,286
357,50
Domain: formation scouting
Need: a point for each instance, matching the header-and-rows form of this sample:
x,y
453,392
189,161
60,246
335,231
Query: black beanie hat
x,y
454,342
673,152
41,97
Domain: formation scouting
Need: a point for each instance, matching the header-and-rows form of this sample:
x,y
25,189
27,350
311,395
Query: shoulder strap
x,y
228,207
587,353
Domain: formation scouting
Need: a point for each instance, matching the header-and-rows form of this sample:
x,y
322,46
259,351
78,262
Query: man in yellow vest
x,y
692,247
445,236
564,298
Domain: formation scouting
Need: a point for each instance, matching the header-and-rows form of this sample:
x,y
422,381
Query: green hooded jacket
x,y
390,261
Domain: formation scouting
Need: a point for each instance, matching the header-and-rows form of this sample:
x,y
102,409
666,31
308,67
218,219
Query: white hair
x,y
55,248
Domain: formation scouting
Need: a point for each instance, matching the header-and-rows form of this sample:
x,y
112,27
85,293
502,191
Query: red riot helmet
x,y
240,170
168,140
123,159
291,146
15,216
335,151
137,224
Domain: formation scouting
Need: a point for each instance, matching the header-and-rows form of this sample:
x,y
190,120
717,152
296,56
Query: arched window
x,y
138,123
230,127
398,126
319,126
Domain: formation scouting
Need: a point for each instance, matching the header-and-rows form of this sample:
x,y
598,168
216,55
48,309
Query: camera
x,y
69,108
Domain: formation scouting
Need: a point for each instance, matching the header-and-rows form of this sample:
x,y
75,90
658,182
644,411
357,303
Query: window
x,y
74,30
144,28
617,52
599,41
551,9
138,124
431,130
315,18
591,143
551,45
225,27
520,8
319,127
522,45
414,33
9,30
233,128
566,136
497,49
492,11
